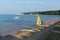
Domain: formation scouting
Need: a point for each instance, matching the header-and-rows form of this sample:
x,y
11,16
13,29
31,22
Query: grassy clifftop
x,y
53,12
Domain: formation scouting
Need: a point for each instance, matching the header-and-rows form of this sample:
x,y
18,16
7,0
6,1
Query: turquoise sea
x,y
12,23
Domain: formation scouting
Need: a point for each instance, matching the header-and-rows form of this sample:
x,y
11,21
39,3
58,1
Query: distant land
x,y
53,12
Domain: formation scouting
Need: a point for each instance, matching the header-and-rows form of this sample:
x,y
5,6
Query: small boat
x,y
17,17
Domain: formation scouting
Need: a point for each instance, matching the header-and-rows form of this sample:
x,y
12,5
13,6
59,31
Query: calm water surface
x,y
10,23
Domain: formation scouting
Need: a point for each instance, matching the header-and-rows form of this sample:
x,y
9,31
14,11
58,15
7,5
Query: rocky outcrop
x,y
37,33
9,37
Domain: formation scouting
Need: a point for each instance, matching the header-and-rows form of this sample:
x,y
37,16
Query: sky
x,y
16,6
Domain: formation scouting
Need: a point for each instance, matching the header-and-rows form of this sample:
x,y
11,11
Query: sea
x,y
10,24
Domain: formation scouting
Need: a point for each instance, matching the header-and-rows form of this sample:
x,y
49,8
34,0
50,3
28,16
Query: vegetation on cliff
x,y
54,12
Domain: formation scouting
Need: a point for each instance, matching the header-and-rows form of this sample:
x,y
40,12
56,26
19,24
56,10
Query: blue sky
x,y
16,6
